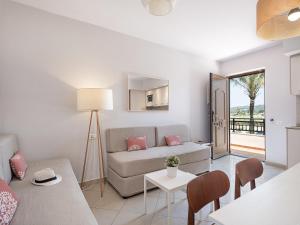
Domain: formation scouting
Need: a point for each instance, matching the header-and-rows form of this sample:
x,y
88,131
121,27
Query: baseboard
x,y
278,165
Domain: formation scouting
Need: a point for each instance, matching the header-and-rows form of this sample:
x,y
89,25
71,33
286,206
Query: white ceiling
x,y
215,29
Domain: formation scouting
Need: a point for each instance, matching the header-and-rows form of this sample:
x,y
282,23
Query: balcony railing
x,y
243,125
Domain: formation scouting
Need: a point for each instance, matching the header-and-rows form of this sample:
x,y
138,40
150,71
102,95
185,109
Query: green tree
x,y
251,85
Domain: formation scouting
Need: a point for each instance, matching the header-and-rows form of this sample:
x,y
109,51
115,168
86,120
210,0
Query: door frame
x,y
230,77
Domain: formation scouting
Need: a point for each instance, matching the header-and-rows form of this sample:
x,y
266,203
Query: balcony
x,y
247,140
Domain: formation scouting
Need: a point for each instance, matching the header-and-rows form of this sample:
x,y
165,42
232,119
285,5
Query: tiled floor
x,y
114,210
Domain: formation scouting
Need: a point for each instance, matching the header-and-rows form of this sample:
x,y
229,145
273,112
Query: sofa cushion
x,y
137,143
173,140
176,130
8,203
18,165
116,138
8,147
128,164
61,204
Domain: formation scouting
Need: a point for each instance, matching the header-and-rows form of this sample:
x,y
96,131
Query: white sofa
x,y
61,204
126,169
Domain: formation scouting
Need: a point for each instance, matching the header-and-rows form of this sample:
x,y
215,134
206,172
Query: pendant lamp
x,y
278,19
159,7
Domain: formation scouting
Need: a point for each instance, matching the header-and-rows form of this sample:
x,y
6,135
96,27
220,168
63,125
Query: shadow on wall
x,y
199,96
41,110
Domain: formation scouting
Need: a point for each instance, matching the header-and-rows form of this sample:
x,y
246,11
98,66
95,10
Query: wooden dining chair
x,y
205,189
247,171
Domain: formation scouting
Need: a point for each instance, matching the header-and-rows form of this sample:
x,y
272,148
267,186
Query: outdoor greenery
x,y
251,85
243,112
172,161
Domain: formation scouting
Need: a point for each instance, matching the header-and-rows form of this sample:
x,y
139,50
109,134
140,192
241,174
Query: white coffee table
x,y
167,184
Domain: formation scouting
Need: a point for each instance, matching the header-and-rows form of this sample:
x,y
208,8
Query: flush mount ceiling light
x,y
278,19
294,15
159,7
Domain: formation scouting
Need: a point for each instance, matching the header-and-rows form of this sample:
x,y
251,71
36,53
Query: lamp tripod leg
x,y
86,150
100,154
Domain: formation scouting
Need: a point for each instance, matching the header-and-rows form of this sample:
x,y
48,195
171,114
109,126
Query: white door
x,y
219,115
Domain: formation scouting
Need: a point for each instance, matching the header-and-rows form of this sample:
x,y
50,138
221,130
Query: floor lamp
x,y
94,100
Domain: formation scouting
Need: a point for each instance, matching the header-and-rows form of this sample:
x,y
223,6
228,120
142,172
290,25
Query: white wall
x,y
46,57
298,110
137,100
135,84
1,43
150,83
292,46
280,105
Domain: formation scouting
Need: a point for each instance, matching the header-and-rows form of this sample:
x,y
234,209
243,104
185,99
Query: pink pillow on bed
x,y
173,140
136,143
8,203
18,165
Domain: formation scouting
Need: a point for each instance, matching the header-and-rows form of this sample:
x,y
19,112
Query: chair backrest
x,y
247,171
207,188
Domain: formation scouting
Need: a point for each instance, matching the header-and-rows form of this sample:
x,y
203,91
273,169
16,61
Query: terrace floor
x,y
248,145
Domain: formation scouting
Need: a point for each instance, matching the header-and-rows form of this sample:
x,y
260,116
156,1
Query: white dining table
x,y
276,202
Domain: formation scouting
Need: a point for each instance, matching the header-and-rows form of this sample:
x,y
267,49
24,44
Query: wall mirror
x,y
147,93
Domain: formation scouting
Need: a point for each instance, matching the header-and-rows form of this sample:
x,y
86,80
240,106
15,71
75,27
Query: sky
x,y
239,98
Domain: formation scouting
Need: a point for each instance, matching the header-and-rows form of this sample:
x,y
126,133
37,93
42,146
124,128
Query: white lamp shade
x,y
159,7
89,99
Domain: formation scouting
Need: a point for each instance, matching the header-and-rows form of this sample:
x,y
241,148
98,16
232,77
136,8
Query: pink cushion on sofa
x,y
18,165
173,140
136,143
8,203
